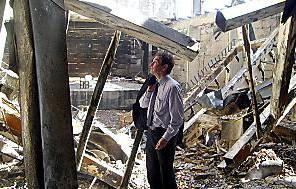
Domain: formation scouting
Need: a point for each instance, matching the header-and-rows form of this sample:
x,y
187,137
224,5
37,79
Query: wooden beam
x,y
2,7
135,24
284,66
252,86
266,47
131,160
246,13
31,128
49,34
104,72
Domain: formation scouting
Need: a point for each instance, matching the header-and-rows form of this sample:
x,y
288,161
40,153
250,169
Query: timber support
x,y
104,72
54,93
31,129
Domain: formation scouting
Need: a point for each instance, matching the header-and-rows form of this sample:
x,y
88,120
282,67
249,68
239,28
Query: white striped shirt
x,y
168,109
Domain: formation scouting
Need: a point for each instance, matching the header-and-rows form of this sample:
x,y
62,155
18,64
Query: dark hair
x,y
166,58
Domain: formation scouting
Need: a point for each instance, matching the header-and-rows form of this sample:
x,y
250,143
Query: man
x,y
165,116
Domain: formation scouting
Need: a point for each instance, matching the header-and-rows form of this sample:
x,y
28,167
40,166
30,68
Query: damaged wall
x,y
202,28
87,43
262,29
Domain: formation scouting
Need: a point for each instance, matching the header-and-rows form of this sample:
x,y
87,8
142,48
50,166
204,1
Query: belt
x,y
157,129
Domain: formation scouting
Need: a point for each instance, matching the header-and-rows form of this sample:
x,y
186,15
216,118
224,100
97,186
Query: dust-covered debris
x,y
197,168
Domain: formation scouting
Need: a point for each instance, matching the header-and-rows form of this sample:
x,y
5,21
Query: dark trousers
x,y
159,163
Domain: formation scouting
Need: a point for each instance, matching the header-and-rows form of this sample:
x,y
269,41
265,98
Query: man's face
x,y
156,68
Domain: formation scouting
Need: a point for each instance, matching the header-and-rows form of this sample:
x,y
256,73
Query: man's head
x,y
162,64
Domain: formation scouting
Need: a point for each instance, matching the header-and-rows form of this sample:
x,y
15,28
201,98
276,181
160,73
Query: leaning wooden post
x,y
31,129
131,160
49,34
284,66
95,99
253,92
2,7
145,65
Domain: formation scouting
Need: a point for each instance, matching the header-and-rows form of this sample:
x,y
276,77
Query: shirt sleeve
x,y
145,99
176,111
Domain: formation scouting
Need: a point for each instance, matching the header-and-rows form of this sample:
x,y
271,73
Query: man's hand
x,y
151,88
161,144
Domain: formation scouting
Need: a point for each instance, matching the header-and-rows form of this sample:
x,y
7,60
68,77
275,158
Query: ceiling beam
x,y
246,13
133,23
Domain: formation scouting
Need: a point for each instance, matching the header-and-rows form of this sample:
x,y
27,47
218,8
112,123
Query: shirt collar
x,y
164,79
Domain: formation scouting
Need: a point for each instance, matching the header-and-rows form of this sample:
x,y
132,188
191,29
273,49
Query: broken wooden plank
x,y
31,132
54,93
131,160
284,66
266,47
2,7
102,171
104,72
135,24
252,86
243,147
246,13
188,131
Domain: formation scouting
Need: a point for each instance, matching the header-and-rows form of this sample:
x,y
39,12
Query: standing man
x,y
165,116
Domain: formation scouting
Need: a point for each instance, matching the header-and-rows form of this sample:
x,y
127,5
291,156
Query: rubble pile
x,y
197,168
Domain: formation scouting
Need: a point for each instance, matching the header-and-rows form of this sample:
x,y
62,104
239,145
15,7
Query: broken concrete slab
x,y
109,145
137,25
267,163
